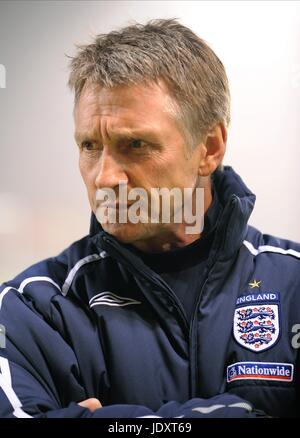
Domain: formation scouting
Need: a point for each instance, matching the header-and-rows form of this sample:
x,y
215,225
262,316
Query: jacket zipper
x,y
192,338
193,352
175,301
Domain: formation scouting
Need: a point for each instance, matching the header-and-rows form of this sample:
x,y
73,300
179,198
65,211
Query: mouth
x,y
114,205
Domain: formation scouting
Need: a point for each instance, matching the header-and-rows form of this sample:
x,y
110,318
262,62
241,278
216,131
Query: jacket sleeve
x,y
40,375
21,396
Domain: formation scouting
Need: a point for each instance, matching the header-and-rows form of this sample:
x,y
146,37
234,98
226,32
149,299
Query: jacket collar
x,y
237,202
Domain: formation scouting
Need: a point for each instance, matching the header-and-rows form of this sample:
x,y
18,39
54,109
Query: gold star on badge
x,y
254,284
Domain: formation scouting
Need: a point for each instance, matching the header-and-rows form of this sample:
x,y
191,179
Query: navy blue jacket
x,y
95,321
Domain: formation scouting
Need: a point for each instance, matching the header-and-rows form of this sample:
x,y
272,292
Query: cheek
x,y
87,176
86,171
81,170
171,171
159,172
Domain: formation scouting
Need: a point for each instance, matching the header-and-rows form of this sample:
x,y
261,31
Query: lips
x,y
115,206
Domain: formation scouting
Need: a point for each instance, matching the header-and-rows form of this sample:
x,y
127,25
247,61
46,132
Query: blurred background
x,y
43,204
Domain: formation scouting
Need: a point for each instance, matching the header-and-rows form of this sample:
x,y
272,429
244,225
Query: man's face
x,y
127,134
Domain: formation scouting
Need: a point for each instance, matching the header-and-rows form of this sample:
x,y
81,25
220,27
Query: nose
x,y
110,171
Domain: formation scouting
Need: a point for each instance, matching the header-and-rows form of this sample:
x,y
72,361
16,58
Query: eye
x,y
88,146
137,144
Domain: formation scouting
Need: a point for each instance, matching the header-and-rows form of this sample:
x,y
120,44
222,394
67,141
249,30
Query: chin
x,y
126,233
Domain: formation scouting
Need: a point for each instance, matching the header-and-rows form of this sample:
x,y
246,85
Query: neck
x,y
175,235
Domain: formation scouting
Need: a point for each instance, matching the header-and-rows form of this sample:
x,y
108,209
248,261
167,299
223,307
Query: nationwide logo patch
x,y
283,372
256,324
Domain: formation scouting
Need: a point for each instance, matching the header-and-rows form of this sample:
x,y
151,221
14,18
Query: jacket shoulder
x,y
51,276
258,243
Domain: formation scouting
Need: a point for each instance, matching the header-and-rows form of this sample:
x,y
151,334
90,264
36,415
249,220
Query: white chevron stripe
x,y
24,284
269,248
208,409
242,405
4,292
6,385
31,279
88,259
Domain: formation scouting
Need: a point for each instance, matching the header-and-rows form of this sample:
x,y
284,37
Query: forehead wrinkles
x,y
115,120
104,112
105,127
98,120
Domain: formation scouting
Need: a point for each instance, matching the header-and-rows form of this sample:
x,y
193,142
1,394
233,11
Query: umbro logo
x,y
109,299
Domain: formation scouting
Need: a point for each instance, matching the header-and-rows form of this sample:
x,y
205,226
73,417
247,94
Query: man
x,y
144,317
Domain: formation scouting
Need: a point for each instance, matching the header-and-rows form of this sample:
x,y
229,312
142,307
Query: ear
x,y
213,149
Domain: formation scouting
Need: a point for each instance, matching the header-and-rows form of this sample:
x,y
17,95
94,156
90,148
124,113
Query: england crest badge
x,y
256,324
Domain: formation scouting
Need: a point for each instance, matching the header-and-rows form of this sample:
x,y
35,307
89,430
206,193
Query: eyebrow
x,y
123,133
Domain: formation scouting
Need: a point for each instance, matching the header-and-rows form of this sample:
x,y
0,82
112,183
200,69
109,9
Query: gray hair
x,y
163,50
